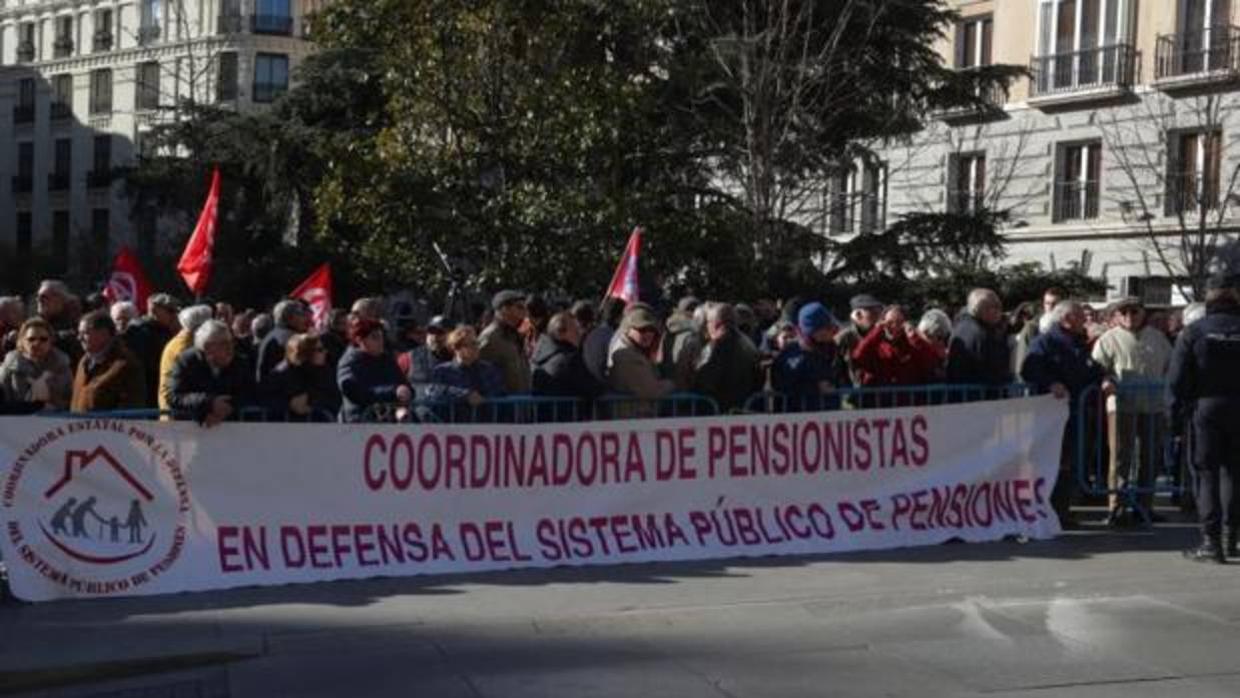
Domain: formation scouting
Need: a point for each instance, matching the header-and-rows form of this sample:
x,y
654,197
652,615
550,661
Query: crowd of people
x,y
210,364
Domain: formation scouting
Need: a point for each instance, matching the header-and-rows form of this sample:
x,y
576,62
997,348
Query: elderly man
x,y
978,353
292,317
864,313
1059,362
559,369
808,371
208,383
1024,339
190,319
123,314
54,303
502,344
419,362
729,367
634,360
1203,388
109,376
1135,357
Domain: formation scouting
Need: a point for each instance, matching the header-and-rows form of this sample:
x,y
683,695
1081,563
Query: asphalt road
x,y
1091,614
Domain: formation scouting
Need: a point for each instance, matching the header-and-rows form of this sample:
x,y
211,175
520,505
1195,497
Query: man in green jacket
x,y
501,343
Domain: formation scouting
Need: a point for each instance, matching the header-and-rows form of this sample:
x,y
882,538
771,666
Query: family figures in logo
x,y
70,520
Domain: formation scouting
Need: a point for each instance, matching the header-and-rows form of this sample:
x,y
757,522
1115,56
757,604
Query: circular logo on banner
x,y
122,286
98,507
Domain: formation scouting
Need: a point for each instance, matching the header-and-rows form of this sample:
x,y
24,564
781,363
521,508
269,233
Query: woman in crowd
x,y
36,371
465,378
368,376
302,386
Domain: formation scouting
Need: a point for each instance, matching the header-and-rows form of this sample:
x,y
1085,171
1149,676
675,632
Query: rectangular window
x,y
26,48
102,160
103,39
60,242
974,41
226,80
62,97
23,111
1078,172
62,165
1193,170
151,20
148,85
100,224
63,46
23,181
25,238
967,189
1083,44
856,199
273,17
101,91
270,76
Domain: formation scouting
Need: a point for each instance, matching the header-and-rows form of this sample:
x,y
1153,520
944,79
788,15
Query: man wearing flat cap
x,y
633,365
1203,383
1133,354
501,342
864,312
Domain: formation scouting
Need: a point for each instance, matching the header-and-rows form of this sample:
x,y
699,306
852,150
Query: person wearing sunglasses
x,y
635,356
36,371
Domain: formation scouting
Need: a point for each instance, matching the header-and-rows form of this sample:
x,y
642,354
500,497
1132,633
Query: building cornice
x,y
136,54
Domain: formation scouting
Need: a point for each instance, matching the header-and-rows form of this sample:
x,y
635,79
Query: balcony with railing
x,y
1083,76
1191,193
25,52
281,25
61,111
964,201
102,41
148,34
58,181
230,23
989,104
1075,201
1193,59
62,47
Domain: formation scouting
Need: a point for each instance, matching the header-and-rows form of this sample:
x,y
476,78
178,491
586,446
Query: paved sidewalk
x,y
1092,614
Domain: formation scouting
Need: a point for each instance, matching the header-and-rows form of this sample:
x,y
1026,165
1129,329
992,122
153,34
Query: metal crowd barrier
x,y
771,402
1124,449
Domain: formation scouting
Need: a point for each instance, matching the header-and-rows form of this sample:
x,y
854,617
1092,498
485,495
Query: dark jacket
x,y
146,338
287,381
560,371
728,371
194,385
450,381
978,355
366,380
1060,357
1204,378
798,370
115,382
271,352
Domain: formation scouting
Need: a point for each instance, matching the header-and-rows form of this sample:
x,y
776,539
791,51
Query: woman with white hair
x,y
208,383
191,319
37,372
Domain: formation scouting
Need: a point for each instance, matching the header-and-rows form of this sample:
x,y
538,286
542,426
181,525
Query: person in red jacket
x,y
895,354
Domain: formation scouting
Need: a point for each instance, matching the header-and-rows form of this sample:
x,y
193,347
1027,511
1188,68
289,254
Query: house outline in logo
x,y
77,461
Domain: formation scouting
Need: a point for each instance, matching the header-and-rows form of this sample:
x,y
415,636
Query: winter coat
x,y
729,371
1203,381
596,350
271,351
19,372
286,381
560,371
452,381
114,382
630,371
366,380
1058,356
146,338
194,385
682,346
181,342
907,359
1134,357
798,371
504,347
978,355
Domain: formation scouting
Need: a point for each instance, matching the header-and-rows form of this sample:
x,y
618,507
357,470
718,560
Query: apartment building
x,y
82,81
1123,139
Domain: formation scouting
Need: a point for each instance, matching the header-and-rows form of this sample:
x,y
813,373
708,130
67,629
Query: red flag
x,y
195,264
624,282
128,282
316,291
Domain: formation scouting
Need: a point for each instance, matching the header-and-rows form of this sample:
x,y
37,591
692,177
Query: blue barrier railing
x,y
1124,449
882,397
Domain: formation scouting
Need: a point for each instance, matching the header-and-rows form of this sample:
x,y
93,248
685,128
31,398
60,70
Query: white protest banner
x,y
103,507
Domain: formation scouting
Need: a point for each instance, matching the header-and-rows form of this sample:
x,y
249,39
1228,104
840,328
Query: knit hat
x,y
814,317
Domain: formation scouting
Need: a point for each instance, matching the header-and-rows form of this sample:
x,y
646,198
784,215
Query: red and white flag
x,y
316,292
195,264
624,281
128,282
